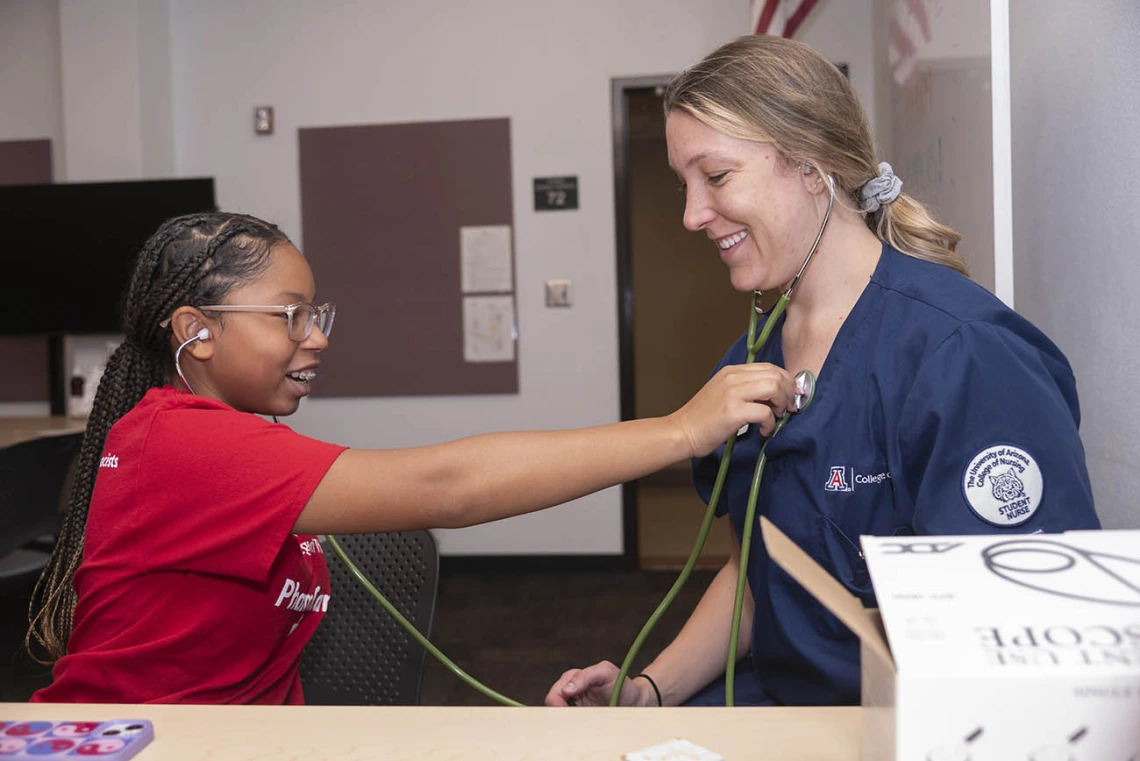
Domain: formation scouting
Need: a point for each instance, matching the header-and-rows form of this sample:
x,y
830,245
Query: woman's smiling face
x,y
760,211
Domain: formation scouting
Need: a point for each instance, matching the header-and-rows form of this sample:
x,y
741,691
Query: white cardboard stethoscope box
x,y
995,647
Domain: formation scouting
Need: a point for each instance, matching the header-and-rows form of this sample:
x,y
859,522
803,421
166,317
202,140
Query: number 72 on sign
x,y
555,193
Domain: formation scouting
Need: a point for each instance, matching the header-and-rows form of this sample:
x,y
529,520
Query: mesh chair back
x,y
359,655
32,479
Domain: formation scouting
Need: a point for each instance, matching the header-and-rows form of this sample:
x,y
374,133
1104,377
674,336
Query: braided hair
x,y
194,260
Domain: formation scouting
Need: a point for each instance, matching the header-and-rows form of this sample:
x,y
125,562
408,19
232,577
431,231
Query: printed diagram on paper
x,y
488,328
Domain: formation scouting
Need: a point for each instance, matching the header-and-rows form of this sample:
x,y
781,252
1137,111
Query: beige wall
x,y
1076,160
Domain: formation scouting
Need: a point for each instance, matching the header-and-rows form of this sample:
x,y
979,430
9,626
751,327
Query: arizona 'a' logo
x,y
837,481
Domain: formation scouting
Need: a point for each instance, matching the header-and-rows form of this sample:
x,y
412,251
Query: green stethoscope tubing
x,y
754,346
710,514
392,611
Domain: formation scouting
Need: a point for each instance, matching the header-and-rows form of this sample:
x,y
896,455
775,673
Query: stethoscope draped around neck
x,y
805,392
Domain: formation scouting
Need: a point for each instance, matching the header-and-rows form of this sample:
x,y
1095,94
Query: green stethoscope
x,y
805,386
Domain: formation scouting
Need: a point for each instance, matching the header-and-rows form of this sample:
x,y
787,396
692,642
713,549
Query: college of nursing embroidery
x,y
1003,485
844,478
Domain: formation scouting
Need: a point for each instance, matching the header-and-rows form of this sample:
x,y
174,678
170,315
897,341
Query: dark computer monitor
x,y
70,248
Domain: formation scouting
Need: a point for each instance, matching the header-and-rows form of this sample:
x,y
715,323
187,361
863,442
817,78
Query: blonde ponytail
x,y
908,226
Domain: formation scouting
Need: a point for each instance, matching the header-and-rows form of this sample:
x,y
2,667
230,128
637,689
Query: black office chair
x,y
35,478
359,655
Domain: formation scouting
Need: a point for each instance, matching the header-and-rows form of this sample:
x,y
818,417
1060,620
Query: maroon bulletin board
x,y
381,212
24,162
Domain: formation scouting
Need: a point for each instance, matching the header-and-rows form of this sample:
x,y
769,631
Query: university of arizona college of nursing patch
x,y
1003,485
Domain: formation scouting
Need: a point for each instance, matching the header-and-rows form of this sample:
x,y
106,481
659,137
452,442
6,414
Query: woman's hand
x,y
593,686
737,394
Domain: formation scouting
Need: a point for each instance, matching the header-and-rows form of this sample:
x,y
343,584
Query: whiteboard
x,y
934,108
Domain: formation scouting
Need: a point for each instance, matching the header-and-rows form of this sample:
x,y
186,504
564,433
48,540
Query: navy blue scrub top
x,y
938,411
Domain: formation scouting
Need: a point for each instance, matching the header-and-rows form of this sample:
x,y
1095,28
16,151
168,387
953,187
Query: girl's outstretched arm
x,y
498,475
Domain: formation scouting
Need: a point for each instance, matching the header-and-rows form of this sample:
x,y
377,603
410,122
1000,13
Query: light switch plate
x,y
263,120
559,293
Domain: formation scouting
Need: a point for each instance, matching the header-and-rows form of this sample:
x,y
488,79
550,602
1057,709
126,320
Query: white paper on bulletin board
x,y
485,258
488,328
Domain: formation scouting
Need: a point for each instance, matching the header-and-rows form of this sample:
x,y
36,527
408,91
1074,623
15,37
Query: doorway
x,y
678,314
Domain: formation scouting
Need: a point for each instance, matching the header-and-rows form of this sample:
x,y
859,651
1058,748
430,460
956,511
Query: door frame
x,y
619,86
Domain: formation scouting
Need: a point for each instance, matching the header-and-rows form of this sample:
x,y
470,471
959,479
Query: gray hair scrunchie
x,y
880,190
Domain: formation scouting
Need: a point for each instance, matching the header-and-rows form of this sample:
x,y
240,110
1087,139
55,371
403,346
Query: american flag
x,y
909,35
780,17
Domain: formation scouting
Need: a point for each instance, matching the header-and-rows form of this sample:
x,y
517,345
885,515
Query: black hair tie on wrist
x,y
652,684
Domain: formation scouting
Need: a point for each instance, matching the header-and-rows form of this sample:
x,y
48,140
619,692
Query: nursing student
x,y
937,409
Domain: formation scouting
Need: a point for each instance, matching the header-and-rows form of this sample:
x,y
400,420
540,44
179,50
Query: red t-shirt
x,y
193,587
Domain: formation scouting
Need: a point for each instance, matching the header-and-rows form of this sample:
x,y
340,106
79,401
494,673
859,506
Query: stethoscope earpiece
x,y
201,335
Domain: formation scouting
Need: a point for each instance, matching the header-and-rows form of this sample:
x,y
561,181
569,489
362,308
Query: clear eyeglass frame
x,y
301,317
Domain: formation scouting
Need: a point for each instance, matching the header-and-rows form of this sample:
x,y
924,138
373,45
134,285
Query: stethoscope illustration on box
x,y
805,392
1061,569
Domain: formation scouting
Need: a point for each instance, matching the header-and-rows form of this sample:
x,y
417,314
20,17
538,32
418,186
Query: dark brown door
x,y
679,314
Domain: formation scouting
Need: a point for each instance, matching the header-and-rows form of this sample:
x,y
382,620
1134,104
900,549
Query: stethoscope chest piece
x,y
805,392
805,389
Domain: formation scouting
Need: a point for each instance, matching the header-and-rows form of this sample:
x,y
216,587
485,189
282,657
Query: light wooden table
x,y
13,430
425,733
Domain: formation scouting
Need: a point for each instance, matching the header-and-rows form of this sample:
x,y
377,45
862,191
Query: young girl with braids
x,y
937,410
186,569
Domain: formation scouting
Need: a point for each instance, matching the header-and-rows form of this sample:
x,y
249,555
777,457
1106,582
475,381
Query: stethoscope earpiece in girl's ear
x,y
201,335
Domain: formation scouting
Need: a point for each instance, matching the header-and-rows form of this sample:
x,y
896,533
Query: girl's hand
x,y
737,394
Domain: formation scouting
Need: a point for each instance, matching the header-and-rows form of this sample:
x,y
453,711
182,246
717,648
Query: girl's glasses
x,y
301,317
